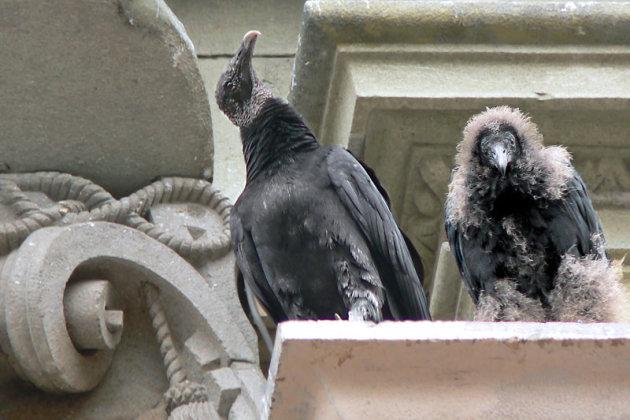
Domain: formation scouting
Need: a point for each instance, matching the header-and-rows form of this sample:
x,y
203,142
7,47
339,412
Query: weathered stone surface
x,y
215,25
240,410
396,81
449,294
109,90
329,24
225,387
219,275
457,370
202,353
616,222
253,381
187,220
93,318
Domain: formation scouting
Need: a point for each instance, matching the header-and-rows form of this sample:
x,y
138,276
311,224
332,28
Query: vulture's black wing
x,y
415,256
368,207
252,269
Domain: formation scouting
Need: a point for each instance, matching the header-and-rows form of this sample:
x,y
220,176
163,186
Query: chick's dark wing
x,y
572,222
476,266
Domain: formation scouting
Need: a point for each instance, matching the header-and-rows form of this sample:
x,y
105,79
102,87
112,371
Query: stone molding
x,y
327,25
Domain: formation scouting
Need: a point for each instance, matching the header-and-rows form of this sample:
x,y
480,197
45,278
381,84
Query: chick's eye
x,y
229,85
511,140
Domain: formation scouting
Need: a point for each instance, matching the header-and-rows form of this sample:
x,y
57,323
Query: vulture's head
x,y
239,93
499,139
504,145
499,148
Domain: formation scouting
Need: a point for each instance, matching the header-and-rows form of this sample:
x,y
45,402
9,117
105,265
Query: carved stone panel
x,y
138,318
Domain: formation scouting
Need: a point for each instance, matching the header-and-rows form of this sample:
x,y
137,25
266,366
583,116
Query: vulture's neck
x,y
276,134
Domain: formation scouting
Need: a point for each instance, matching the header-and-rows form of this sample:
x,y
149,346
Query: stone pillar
x,y
396,81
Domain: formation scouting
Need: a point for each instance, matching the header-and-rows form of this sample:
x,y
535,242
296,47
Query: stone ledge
x,y
334,370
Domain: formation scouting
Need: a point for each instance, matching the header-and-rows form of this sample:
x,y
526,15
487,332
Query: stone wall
x,y
107,90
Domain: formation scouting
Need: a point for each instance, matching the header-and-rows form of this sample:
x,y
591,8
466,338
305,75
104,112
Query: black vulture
x,y
313,233
521,226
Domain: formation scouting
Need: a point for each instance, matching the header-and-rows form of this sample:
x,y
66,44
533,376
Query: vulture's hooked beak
x,y
242,60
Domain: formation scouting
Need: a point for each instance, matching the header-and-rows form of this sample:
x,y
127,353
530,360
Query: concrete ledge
x,y
343,370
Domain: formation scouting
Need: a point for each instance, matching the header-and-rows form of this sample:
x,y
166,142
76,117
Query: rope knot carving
x,y
80,200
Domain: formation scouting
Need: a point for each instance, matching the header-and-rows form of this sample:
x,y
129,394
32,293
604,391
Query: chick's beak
x,y
501,157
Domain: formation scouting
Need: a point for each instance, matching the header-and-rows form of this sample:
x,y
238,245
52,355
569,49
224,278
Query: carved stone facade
x,y
396,82
114,303
78,297
122,304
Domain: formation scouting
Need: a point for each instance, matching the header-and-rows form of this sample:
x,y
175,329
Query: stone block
x,y
396,81
456,370
201,353
224,387
108,90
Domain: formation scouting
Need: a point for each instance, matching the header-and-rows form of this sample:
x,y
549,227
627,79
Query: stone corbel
x,y
78,295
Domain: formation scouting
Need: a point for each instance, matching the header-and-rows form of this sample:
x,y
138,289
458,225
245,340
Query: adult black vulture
x,y
312,232
523,231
